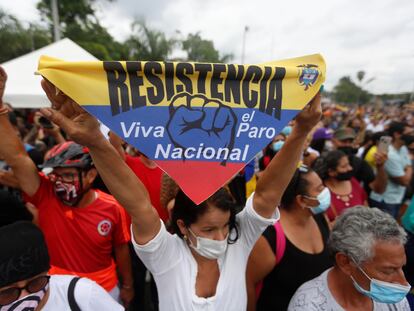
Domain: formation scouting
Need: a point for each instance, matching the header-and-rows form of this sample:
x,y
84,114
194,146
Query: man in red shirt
x,y
83,227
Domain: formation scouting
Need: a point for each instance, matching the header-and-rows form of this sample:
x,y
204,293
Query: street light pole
x,y
246,29
55,17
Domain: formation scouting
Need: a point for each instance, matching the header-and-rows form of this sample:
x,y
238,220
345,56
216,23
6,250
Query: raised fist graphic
x,y
195,120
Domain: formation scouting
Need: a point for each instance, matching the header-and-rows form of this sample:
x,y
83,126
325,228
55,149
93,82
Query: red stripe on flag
x,y
210,176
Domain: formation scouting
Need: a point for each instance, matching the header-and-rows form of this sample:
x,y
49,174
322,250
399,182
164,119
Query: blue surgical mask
x,y
287,130
277,145
324,199
383,292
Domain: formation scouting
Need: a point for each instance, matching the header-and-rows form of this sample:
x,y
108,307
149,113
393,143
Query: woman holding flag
x,y
202,266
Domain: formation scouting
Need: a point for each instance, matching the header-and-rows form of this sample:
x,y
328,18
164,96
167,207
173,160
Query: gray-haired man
x,y
368,247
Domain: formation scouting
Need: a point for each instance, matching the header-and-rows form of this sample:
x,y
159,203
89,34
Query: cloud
x,y
372,35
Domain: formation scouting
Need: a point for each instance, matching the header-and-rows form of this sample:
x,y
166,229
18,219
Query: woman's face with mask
x,y
278,142
343,170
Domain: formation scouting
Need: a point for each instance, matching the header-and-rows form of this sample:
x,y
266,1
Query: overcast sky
x,y
374,36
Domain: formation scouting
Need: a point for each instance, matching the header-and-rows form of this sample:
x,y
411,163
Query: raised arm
x,y
379,184
116,141
277,175
12,149
120,180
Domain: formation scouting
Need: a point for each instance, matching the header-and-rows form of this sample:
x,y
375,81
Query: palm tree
x,y
148,44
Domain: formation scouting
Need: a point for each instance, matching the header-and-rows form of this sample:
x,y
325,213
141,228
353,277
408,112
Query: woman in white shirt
x,y
202,266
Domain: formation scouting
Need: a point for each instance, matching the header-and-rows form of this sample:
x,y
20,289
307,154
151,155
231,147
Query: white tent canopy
x,y
23,88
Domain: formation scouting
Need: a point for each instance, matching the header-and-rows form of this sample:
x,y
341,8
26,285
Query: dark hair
x,y
318,144
329,161
189,212
12,209
396,127
374,137
298,185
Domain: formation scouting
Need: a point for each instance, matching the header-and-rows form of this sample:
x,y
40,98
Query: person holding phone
x,y
344,140
399,170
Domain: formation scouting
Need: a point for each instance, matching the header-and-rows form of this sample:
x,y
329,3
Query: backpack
x,y
279,251
71,295
280,242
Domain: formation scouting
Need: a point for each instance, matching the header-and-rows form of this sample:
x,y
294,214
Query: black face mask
x,y
344,176
348,150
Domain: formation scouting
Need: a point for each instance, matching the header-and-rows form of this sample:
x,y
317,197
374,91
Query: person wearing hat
x,y
343,140
85,229
320,138
26,285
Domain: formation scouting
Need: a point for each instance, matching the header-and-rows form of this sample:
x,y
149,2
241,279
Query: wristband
x,y
126,287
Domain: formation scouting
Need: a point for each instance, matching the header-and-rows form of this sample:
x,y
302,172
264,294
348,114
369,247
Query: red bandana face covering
x,y
69,193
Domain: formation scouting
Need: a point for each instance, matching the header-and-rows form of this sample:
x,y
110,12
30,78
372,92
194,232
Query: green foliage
x,y
148,44
346,91
79,23
201,50
70,12
17,40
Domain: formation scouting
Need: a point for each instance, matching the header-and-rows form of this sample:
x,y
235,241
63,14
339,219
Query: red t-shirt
x,y
80,239
151,178
358,196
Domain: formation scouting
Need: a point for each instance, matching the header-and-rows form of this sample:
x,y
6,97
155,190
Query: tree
x,y
360,76
346,91
201,50
17,40
148,44
78,22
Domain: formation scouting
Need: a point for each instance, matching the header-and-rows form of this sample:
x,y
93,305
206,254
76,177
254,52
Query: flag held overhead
x,y
201,123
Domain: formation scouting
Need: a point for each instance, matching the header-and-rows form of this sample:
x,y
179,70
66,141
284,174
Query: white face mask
x,y
209,248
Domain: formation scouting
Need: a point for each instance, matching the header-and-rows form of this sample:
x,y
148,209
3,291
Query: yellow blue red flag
x,y
201,123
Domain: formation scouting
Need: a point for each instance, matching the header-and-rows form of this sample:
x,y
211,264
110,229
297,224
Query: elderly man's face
x,y
389,258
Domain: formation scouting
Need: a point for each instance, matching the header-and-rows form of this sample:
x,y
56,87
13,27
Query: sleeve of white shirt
x,y
252,225
161,253
90,297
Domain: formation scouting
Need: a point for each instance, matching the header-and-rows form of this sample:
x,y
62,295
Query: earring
x,y
185,237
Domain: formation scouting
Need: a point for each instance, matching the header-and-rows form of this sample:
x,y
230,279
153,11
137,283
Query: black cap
x,y
23,252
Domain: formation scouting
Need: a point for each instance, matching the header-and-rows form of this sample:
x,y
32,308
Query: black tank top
x,y
295,268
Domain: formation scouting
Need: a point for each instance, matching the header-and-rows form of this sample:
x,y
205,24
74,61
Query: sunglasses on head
x,y
9,295
302,169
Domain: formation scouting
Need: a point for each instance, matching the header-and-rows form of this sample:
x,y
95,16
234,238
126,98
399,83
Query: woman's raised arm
x,y
120,180
276,177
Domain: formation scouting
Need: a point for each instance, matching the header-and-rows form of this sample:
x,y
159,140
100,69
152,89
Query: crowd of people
x,y
321,219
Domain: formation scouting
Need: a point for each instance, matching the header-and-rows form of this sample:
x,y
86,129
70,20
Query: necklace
x,y
345,198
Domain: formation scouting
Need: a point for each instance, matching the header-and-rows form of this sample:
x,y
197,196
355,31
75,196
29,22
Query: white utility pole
x,y
55,17
246,29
